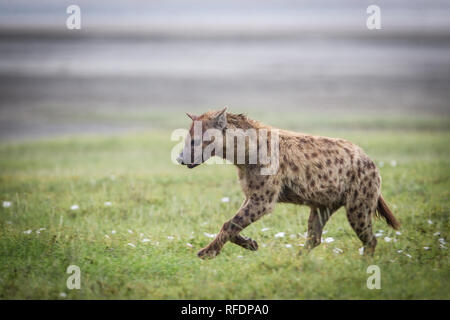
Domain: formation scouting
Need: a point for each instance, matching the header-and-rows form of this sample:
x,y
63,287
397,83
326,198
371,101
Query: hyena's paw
x,y
251,245
207,253
245,242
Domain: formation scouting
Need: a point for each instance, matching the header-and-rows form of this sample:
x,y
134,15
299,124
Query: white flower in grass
x,y
189,245
265,229
145,240
380,231
6,204
280,235
63,295
361,251
442,241
108,203
170,237
387,239
264,245
288,245
408,255
337,250
131,245
426,248
329,239
378,234
209,235
130,231
325,232
141,235
304,235
108,237
393,163
225,199
113,232
239,257
398,233
38,231
395,240
436,234
442,246
392,260
292,236
28,231
74,207
400,251
429,221
301,245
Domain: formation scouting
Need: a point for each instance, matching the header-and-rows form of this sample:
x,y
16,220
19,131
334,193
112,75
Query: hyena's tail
x,y
386,213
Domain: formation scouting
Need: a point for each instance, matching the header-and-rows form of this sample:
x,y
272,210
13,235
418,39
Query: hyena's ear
x,y
191,116
220,119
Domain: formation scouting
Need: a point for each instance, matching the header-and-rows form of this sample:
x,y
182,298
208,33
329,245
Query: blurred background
x,y
139,65
86,116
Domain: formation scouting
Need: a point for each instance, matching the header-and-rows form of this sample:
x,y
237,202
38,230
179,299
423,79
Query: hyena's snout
x,y
185,162
180,159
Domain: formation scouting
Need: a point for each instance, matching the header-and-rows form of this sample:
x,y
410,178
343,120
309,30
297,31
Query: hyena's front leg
x,y
258,205
244,242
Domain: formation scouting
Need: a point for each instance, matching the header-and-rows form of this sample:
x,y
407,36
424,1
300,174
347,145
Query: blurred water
x,y
142,56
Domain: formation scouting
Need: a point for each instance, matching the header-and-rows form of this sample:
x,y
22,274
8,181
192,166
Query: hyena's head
x,y
204,138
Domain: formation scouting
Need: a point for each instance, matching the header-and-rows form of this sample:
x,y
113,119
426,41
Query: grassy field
x,y
141,219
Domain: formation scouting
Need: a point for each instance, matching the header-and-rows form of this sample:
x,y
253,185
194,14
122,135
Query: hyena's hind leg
x,y
360,210
318,217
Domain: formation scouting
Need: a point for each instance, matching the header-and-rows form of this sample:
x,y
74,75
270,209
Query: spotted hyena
x,y
322,173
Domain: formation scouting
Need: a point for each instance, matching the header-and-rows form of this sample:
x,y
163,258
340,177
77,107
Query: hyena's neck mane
x,y
240,121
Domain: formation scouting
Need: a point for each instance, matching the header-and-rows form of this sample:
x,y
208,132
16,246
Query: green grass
x,y
152,196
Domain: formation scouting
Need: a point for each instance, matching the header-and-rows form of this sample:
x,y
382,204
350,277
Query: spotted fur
x,y
322,173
